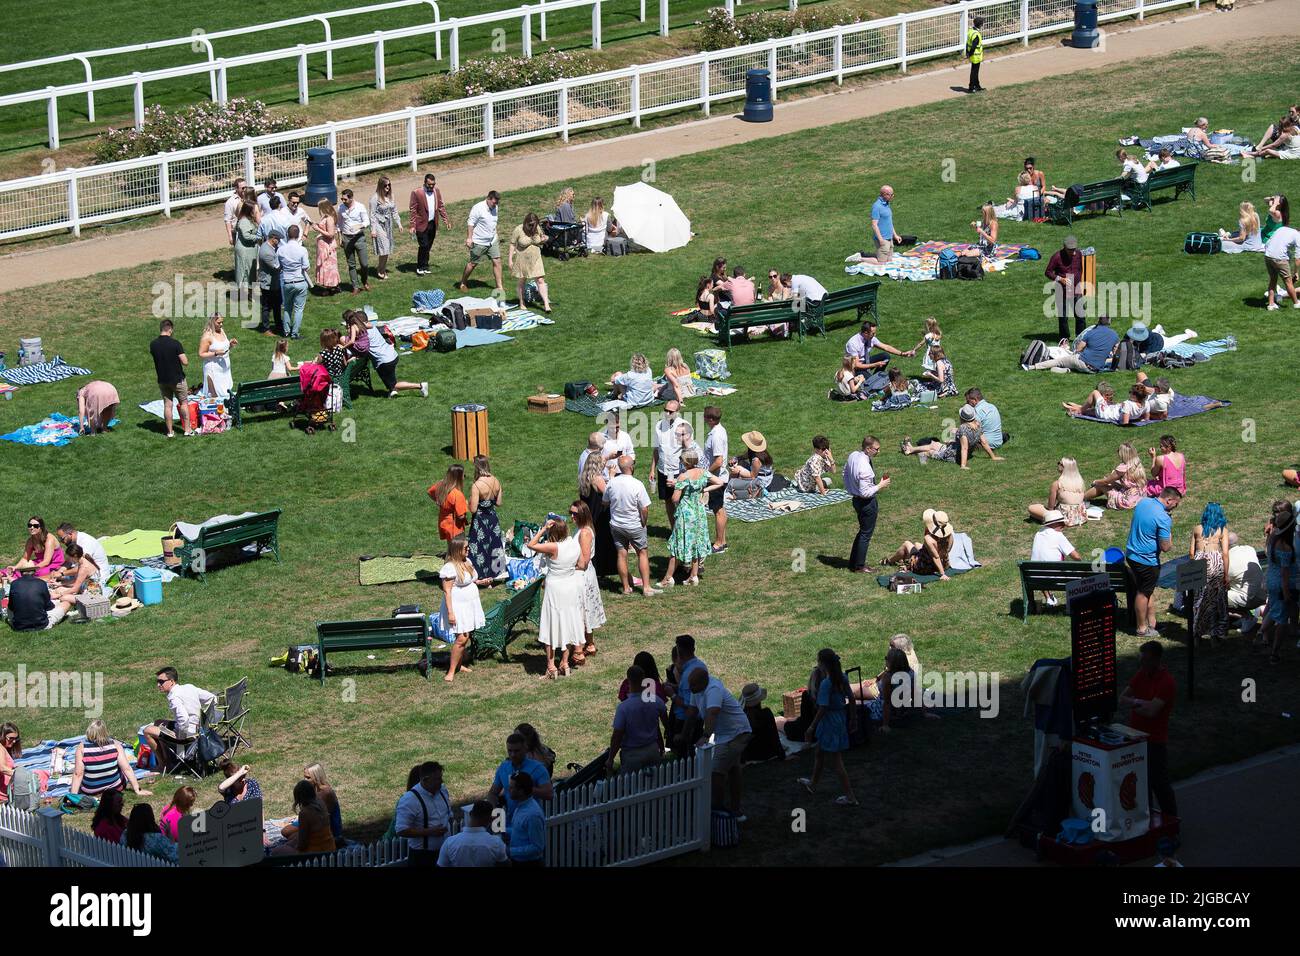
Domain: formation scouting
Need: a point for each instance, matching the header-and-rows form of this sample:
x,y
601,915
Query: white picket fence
x,y
627,820
72,198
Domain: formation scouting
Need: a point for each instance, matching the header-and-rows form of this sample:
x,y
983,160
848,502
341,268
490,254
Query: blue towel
x,y
466,338
55,430
1216,347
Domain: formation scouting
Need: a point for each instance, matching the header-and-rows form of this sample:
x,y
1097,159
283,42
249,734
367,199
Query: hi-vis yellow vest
x,y
975,46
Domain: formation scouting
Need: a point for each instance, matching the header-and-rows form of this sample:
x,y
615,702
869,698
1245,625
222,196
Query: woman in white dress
x,y
1248,237
462,611
385,223
597,226
214,350
593,608
562,624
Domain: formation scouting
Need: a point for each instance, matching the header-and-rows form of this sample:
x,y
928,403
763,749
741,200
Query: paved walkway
x,y
1008,65
1234,815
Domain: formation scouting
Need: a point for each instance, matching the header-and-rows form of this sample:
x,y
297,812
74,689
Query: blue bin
x,y
320,176
148,586
1085,35
758,97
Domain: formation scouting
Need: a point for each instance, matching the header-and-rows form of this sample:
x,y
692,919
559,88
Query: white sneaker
x,y
1051,600
1272,307
424,389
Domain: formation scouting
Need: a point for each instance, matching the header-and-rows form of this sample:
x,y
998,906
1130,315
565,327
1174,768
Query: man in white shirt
x,y
264,198
354,220
476,844
481,239
617,441
1245,576
1051,544
715,461
186,703
297,214
860,481
276,220
860,345
423,816
629,510
294,281
727,727
666,456
89,544
1278,253
231,211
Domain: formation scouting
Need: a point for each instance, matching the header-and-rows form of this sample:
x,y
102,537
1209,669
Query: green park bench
x,y
259,529
501,619
356,373
757,315
1109,193
380,634
271,391
1180,179
858,298
1058,575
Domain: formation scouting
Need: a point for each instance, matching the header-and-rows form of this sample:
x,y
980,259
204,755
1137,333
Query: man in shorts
x,y
1149,534
481,240
882,227
727,727
169,361
629,509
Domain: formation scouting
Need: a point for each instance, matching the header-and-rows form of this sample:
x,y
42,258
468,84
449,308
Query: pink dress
x,y
327,259
100,397
1127,495
1170,476
169,825
42,570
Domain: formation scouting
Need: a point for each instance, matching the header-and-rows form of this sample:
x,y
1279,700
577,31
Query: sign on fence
x,y
228,834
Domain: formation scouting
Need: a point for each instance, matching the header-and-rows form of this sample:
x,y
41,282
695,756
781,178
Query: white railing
x,y
627,820
72,198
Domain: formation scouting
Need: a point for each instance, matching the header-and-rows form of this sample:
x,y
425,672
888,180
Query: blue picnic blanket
x,y
1181,407
41,757
467,338
55,430
53,371
1208,349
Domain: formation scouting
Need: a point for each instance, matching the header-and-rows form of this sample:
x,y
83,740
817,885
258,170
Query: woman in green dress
x,y
689,543
246,239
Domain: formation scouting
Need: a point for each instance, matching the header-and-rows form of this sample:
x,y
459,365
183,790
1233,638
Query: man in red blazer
x,y
426,209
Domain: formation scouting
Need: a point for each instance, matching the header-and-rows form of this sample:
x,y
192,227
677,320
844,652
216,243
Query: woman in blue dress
x,y
830,728
1281,578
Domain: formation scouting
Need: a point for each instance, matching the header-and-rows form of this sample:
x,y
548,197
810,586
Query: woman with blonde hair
x,y
461,613
487,546
593,608
101,764
214,350
1126,483
986,228
564,207
597,225
385,224
680,385
1065,495
1249,236
327,256
637,385
562,624
315,775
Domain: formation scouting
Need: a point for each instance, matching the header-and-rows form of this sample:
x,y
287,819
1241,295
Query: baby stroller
x,y
314,408
564,239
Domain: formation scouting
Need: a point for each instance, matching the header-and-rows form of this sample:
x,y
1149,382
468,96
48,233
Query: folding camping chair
x,y
186,753
230,728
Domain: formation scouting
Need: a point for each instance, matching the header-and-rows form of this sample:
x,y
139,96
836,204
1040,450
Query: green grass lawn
x,y
797,203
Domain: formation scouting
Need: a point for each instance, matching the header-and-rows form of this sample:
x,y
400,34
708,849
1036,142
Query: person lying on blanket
x,y
957,450
1101,404
1159,396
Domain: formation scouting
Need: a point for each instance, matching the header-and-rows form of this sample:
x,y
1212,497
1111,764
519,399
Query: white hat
x,y
1053,517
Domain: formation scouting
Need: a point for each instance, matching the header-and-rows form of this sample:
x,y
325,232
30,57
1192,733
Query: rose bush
x,y
494,74
199,125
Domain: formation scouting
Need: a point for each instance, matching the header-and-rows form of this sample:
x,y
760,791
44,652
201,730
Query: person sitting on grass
x,y
100,764
239,783
678,385
1014,207
79,572
958,449
41,551
930,555
1125,485
706,302
986,230
311,833
766,743
1284,145
859,348
941,376
109,823
182,803
1101,404
895,395
848,382
815,475
1093,348
835,719
637,385
142,834
1064,495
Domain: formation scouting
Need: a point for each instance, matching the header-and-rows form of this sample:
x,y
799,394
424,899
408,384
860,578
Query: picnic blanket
x,y
759,509
55,430
134,545
920,263
1208,349
41,757
1181,407
468,338
961,558
155,408
191,531
394,568
1179,145
53,371
595,407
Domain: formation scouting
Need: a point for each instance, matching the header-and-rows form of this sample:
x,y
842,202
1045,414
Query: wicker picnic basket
x,y
93,606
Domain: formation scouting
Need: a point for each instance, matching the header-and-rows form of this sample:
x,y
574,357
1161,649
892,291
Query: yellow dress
x,y
528,254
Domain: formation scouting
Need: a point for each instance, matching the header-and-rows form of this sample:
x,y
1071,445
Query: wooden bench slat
x,y
375,634
1056,575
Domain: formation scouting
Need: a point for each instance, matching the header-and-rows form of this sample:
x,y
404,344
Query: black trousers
x,y
974,83
424,239
271,303
867,509
1158,786
1069,305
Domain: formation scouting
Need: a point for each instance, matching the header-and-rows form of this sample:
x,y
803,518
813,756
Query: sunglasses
x,y
162,680
33,525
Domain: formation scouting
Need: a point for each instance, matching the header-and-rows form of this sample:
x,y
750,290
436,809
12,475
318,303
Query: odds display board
x,y
1094,688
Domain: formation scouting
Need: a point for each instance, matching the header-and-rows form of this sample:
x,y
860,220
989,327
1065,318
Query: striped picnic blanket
x,y
55,371
593,407
756,509
919,264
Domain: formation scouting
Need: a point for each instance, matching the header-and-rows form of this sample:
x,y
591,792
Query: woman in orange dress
x,y
453,508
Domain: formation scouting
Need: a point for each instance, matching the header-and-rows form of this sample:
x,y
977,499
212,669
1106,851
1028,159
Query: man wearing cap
x,y
1065,269
860,481
1051,544
1092,349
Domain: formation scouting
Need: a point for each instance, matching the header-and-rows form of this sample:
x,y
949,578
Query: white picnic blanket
x,y
191,531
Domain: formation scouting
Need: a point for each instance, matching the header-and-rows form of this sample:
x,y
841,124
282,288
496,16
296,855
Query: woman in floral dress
x,y
487,547
593,608
689,543
327,256
385,223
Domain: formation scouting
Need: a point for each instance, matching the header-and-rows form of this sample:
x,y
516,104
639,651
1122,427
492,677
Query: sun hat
x,y
1139,332
754,441
752,694
967,414
936,523
1053,517
1071,242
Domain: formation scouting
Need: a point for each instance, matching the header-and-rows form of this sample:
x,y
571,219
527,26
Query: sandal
x,y
668,583
844,801
693,581
806,783
905,444
551,674
589,650
564,669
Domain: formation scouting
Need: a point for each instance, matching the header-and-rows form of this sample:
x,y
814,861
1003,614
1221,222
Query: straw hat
x,y
936,523
752,695
124,606
1053,517
754,441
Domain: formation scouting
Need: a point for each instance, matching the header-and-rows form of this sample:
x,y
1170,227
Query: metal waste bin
x,y
320,176
1085,35
758,97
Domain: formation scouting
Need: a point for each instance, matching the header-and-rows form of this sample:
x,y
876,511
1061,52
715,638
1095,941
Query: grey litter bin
x,y
1085,35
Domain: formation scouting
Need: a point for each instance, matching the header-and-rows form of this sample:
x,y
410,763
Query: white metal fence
x,y
73,198
626,820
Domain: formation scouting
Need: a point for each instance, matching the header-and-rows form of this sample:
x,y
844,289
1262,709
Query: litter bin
x,y
320,176
1085,35
758,97
469,431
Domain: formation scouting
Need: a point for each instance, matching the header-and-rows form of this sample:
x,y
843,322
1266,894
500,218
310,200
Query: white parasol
x,y
650,217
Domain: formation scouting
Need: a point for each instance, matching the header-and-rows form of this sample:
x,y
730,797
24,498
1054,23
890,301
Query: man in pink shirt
x,y
740,287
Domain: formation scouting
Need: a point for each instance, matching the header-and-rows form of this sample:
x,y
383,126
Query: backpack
x,y
616,246
1035,352
969,266
453,316
1127,357
24,789
1029,252
444,340
946,267
1202,243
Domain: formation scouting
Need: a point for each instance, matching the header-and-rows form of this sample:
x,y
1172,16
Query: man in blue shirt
x,y
518,761
1092,350
989,417
684,727
526,835
882,227
1149,534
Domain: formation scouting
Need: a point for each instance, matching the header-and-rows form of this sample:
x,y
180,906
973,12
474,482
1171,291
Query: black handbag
x,y
210,748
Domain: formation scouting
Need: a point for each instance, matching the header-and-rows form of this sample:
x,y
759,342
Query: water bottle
x,y
923,457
